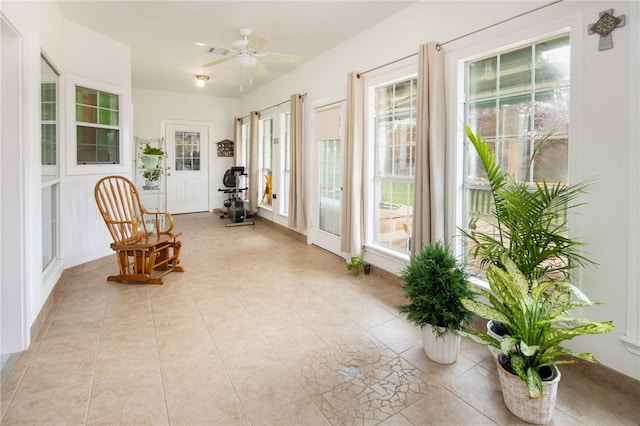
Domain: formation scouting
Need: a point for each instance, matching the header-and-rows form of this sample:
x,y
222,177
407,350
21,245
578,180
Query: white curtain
x,y
254,155
429,198
351,218
237,140
296,196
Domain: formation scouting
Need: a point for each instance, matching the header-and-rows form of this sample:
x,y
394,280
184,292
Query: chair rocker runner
x,y
145,246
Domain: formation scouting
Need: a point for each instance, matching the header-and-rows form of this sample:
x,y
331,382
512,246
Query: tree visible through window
x,y
516,98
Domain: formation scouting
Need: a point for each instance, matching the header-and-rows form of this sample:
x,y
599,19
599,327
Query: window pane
x,y
482,117
553,62
187,148
552,112
48,155
550,162
108,101
515,115
109,118
49,224
482,78
86,114
97,145
515,71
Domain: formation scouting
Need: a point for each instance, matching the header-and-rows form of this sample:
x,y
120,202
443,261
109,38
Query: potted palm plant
x,y
434,282
529,223
536,314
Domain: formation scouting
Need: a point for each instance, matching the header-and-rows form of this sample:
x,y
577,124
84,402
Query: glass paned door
x,y
330,185
329,148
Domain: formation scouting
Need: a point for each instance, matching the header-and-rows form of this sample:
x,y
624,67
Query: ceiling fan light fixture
x,y
201,80
246,60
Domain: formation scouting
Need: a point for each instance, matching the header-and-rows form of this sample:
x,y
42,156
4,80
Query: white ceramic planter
x,y
443,350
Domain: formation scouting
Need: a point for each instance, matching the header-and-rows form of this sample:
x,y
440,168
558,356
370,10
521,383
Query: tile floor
x,y
261,329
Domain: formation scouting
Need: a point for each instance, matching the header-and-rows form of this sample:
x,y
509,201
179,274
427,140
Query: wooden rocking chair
x,y
143,240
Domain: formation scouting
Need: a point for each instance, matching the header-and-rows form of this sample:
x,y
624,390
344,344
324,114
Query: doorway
x,y
187,167
329,147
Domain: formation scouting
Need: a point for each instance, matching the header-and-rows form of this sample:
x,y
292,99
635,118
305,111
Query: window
x,y
187,148
50,173
515,99
266,166
97,126
394,162
286,162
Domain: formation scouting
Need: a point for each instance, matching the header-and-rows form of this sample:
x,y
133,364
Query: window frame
x,y
388,75
484,45
124,119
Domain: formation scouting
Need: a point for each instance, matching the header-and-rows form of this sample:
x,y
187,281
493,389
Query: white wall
x,y
94,57
604,131
152,106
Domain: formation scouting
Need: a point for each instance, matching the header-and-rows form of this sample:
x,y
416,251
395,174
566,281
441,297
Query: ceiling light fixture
x,y
201,80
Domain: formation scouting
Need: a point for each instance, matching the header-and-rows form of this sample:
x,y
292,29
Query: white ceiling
x,y
162,35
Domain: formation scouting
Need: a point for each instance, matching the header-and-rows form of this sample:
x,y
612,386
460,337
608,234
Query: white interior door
x,y
329,148
187,167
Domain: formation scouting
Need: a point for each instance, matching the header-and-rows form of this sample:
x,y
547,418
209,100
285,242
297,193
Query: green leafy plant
x,y
150,150
355,265
434,282
151,174
529,221
536,315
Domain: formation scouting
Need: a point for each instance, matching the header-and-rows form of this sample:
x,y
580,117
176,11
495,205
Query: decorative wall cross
x,y
604,26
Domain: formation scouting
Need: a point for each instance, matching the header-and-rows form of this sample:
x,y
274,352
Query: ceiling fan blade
x,y
282,58
258,69
257,43
217,61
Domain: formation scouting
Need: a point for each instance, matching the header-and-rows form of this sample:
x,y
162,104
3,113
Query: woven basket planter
x,y
516,397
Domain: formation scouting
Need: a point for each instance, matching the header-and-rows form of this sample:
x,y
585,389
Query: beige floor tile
x,y
443,408
63,405
136,395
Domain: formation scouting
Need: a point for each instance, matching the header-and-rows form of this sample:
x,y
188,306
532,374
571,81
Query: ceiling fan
x,y
247,52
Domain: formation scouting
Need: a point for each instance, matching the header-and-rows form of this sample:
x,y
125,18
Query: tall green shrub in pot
x,y
434,281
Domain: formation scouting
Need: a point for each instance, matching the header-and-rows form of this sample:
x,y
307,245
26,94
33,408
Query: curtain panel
x,y
296,218
430,180
254,155
351,217
237,139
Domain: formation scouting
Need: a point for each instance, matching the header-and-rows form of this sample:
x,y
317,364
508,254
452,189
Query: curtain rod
x,y
384,65
273,106
439,45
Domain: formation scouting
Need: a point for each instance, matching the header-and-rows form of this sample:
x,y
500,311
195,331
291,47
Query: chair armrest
x,y
167,222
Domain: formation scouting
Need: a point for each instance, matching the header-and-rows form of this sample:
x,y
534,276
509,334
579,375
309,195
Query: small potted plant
x,y
357,264
151,156
536,314
434,281
151,177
